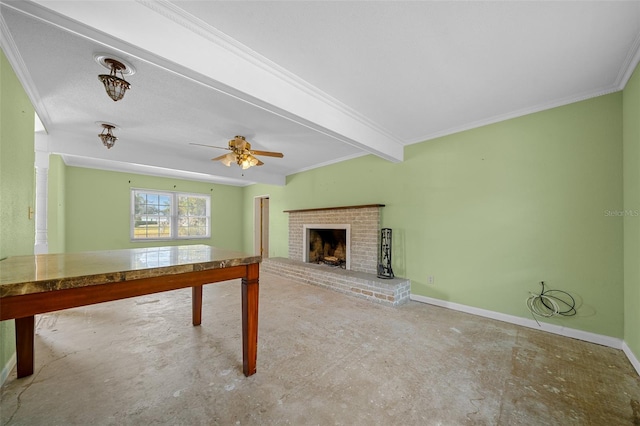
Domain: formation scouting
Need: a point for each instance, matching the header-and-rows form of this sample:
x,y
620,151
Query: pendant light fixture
x,y
115,86
107,137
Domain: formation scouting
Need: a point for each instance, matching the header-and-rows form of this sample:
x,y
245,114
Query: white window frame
x,y
173,218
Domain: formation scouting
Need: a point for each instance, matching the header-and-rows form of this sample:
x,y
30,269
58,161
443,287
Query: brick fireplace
x,y
363,223
360,278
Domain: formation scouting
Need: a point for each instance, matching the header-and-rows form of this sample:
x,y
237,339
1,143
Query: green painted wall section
x,y
17,181
56,205
97,206
491,212
631,126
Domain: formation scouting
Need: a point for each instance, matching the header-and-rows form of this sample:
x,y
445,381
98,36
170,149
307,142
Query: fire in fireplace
x,y
327,244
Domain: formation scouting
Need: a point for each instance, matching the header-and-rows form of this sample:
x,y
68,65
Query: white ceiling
x,y
321,82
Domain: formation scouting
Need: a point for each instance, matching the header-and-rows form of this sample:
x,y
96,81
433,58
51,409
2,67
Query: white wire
x,y
538,307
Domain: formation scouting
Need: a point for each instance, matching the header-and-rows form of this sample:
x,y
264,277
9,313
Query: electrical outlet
x,y
430,279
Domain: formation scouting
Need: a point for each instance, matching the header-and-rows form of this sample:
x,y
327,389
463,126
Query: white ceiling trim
x,y
514,114
629,65
91,155
143,169
11,52
538,108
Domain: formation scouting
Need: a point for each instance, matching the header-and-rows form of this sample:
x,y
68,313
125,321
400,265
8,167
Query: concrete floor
x,y
323,358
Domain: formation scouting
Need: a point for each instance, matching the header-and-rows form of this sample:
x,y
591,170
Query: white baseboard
x,y
530,323
631,356
8,367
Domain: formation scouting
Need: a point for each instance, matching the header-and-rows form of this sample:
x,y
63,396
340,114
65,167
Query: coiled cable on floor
x,y
550,303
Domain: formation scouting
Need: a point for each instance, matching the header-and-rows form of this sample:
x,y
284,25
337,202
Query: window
x,y
159,215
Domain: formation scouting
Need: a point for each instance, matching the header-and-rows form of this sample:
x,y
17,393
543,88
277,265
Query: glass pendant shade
x,y
107,137
247,160
115,86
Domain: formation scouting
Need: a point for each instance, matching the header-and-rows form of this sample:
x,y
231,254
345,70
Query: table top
x,y
21,275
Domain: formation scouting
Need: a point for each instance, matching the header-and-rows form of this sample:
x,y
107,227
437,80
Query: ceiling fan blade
x,y
260,163
227,159
210,146
268,153
219,158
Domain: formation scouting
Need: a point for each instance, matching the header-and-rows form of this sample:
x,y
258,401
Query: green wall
x,y
491,212
17,181
631,126
97,206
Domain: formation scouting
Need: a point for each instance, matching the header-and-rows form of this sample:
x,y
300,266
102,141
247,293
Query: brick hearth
x,y
390,292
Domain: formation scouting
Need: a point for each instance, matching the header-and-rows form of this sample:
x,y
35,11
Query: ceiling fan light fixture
x,y
107,137
247,161
244,163
241,153
228,159
115,86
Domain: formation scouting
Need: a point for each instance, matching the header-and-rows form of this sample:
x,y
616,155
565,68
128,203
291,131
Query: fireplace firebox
x,y
327,244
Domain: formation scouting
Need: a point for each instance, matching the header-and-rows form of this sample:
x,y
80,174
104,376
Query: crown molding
x,y
515,114
20,69
146,170
629,64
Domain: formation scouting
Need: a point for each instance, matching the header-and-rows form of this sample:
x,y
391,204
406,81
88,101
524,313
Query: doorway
x,y
261,226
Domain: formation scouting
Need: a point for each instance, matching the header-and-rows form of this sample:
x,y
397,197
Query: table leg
x,y
250,319
25,329
196,303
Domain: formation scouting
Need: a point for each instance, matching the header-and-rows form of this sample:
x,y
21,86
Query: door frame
x,y
261,225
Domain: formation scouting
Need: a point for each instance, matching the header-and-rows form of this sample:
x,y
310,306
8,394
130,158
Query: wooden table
x,y
31,285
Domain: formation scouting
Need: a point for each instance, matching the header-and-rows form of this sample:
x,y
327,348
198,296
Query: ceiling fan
x,y
241,153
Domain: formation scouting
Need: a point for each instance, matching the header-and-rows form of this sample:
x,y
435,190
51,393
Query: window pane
x,y
199,207
151,215
197,221
183,210
198,231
